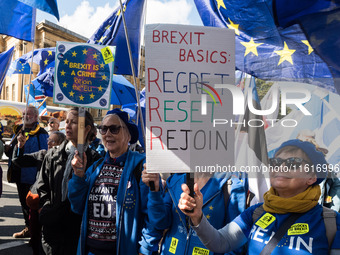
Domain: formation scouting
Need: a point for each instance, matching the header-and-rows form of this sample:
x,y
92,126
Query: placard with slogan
x,y
189,109
83,75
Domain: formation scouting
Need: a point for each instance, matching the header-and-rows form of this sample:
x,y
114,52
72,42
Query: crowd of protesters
x,y
104,201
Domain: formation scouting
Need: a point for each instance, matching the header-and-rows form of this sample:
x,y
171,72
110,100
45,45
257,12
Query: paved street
x,y
11,220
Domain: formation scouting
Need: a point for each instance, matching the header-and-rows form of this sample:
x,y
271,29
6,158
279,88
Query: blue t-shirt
x,y
306,236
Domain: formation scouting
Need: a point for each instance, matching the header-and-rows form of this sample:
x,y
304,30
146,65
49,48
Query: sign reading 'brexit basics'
x,y
83,75
187,68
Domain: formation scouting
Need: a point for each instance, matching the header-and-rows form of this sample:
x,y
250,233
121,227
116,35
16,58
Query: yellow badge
x,y
173,245
298,229
328,199
200,251
265,220
107,55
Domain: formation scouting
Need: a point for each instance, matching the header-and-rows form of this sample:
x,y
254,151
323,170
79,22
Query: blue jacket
x,y
131,206
165,214
306,236
35,142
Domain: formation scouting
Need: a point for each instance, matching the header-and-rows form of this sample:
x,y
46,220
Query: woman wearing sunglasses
x,y
110,194
290,221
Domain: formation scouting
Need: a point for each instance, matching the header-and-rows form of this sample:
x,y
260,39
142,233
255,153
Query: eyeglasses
x,y
51,122
292,162
113,129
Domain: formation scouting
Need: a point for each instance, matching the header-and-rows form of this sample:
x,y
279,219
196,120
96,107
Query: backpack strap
x,y
98,163
257,213
226,189
329,218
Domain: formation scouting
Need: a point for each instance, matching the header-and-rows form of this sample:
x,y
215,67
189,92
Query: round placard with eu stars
x,y
83,75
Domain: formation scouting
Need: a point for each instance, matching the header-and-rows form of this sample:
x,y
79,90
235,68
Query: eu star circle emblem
x,y
83,76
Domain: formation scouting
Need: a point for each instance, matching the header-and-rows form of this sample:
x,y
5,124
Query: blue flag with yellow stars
x,y
49,6
43,57
111,32
17,20
263,49
5,59
19,66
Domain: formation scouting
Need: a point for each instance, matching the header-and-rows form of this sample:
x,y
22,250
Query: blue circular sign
x,y
83,76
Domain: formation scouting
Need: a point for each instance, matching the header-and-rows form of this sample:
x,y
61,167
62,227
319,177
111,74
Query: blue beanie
x,y
317,157
125,117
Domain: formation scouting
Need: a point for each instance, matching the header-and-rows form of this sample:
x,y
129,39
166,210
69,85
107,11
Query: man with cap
x,y
110,194
290,206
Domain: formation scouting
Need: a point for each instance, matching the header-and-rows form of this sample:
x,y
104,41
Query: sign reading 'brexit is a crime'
x,y
83,75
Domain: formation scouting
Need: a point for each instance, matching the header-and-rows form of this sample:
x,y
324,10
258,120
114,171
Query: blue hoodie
x,y
131,207
180,237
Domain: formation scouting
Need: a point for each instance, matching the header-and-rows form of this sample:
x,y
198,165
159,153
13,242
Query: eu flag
x,y
17,20
43,57
5,59
263,49
49,6
111,32
19,66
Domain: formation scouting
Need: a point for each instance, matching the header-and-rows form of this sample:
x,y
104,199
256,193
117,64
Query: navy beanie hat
x,y
125,117
316,157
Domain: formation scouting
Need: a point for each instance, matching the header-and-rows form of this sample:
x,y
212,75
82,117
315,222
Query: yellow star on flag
x,y
251,46
62,73
81,98
66,62
74,54
208,217
102,65
211,207
100,88
234,26
84,51
107,27
71,94
285,54
92,96
46,62
104,77
310,49
49,53
64,84
95,55
220,3
124,8
102,39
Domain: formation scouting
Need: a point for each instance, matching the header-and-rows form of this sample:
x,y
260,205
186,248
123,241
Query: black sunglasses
x,y
292,162
113,129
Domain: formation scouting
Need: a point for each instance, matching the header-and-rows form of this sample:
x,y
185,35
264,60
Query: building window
x,y
13,92
100,111
7,92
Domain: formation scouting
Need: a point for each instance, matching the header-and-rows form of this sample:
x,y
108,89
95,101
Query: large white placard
x,y
188,116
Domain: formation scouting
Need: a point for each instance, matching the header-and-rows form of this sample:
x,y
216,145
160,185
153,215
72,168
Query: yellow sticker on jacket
x,y
298,229
173,245
200,251
265,220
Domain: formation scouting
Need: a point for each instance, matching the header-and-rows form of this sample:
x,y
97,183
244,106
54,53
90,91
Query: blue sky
x,y
85,16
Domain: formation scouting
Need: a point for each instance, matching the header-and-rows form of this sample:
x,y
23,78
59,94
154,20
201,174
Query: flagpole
x,y
132,68
31,71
